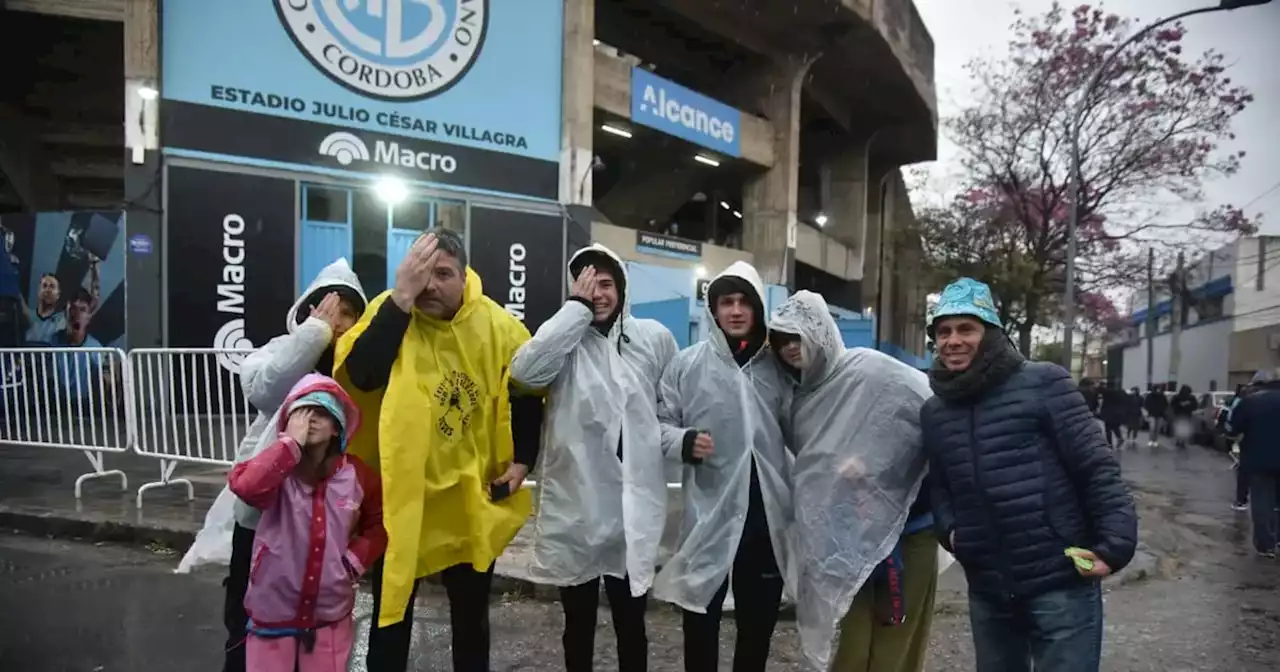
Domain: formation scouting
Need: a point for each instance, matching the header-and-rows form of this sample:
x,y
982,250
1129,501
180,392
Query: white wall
x,y
1205,349
1254,308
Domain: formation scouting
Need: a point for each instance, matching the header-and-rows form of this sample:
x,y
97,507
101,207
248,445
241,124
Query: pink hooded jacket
x,y
313,542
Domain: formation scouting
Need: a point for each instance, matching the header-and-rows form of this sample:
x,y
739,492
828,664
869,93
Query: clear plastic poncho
x,y
598,515
703,388
266,376
855,428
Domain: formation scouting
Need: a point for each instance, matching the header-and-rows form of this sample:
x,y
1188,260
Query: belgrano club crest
x,y
395,50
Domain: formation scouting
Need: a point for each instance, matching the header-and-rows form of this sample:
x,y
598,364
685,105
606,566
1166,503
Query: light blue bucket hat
x,y
330,404
966,296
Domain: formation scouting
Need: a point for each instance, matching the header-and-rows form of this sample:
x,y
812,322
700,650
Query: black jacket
x,y
1156,404
1184,405
1257,419
1021,475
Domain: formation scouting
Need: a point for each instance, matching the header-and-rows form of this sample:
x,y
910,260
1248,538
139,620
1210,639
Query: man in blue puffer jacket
x,y
1020,473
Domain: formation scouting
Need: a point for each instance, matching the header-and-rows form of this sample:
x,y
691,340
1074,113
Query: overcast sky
x,y
964,29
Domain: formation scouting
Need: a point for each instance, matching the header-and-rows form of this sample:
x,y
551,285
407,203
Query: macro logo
x,y
344,147
394,50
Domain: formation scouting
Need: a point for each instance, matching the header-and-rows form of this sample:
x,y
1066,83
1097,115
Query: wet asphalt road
x,y
1206,603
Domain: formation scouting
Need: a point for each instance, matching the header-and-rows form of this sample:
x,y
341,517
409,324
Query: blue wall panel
x,y
662,293
322,244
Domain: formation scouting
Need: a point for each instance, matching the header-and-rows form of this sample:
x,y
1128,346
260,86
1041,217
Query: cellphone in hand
x,y
499,491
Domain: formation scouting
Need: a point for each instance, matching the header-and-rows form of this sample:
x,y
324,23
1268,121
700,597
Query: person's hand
x,y
853,469
514,476
328,309
1100,567
299,425
703,446
584,286
415,271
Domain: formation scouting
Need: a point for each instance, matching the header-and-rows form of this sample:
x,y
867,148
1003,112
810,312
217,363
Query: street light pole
x,y
1077,120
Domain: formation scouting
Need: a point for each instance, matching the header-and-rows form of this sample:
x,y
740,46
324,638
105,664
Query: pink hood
x,y
314,382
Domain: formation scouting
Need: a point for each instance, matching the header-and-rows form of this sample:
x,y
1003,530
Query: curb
x,y
62,527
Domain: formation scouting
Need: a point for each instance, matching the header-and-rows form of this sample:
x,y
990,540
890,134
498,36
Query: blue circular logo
x,y
398,50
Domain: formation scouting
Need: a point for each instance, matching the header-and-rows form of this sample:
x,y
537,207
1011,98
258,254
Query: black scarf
x,y
994,363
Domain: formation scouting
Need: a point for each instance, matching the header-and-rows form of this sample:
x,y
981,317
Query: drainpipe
x,y
884,193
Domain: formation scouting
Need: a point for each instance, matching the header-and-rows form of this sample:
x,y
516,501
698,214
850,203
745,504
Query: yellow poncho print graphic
x,y
443,434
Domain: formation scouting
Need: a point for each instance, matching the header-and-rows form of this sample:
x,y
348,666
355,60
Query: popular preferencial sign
x,y
668,246
689,115
461,92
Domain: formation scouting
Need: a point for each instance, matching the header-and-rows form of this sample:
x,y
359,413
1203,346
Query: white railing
x,y
188,408
179,405
70,398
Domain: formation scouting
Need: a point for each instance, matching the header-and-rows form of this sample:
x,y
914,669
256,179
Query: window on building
x,y
1210,309
324,204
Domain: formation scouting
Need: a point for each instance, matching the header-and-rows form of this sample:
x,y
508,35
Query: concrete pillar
x,y
577,102
846,206
770,199
142,174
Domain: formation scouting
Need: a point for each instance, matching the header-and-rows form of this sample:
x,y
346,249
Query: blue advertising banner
x,y
460,84
668,107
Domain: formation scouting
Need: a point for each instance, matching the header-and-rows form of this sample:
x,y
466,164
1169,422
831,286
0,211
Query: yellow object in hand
x,y
1082,563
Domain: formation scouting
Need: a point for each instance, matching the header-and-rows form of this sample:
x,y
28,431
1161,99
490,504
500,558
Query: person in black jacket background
x,y
1021,476
1183,405
1115,405
1156,406
1256,420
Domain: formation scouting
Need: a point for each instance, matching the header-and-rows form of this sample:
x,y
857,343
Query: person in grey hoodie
x,y
330,306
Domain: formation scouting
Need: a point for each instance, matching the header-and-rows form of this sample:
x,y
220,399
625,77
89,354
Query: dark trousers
x,y
581,605
1156,427
1113,429
1242,486
1060,631
1264,496
237,583
468,592
757,592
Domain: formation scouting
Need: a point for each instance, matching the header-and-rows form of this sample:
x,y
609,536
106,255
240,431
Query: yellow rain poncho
x,y
443,433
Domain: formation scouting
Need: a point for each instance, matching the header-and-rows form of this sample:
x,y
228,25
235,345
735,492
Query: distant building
x,y
1231,325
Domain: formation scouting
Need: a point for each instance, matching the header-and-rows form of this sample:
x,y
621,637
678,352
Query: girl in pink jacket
x,y
321,528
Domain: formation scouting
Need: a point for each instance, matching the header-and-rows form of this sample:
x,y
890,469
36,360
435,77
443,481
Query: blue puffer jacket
x,y
1020,475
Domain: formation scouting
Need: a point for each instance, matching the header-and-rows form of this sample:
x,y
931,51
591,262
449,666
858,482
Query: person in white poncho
x,y
721,404
329,307
602,500
865,559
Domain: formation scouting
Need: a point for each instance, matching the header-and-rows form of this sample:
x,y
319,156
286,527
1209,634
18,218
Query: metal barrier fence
x,y
69,398
189,408
179,405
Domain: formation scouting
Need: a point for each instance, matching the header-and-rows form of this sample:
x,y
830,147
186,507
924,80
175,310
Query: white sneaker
x,y
1240,507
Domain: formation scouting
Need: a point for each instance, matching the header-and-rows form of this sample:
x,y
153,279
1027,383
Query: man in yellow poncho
x,y
430,361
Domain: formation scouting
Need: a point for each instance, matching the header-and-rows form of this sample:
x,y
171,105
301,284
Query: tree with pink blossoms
x,y
1150,135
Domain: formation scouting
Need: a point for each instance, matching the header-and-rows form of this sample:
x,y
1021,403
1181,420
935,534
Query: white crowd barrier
x,y
189,408
67,398
177,405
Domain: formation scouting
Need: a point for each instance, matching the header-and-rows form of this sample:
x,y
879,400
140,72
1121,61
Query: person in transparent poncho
x,y
865,567
602,500
721,403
